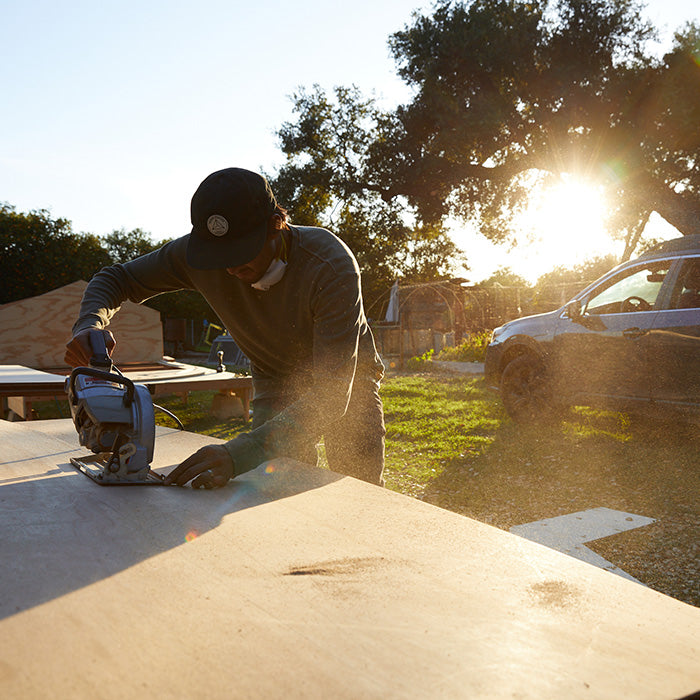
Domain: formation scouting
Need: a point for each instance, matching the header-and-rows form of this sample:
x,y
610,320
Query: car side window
x,y
635,289
686,293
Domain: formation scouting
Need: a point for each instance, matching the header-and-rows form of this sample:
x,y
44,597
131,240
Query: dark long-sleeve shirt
x,y
307,336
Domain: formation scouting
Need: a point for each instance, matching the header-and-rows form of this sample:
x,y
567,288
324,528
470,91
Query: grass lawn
x,y
434,422
450,442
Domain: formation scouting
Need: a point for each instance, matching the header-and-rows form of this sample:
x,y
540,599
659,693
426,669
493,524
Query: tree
x,y
556,287
38,254
321,184
505,277
509,93
582,274
126,245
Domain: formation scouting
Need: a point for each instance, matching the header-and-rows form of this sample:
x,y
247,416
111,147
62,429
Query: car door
x,y
674,344
602,354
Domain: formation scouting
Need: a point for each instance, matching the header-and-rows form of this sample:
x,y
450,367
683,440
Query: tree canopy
x,y
510,95
38,254
126,245
326,151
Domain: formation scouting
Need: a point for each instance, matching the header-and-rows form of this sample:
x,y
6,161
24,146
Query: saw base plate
x,y
94,467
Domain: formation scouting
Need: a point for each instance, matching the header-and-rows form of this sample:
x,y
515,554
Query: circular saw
x,y
115,420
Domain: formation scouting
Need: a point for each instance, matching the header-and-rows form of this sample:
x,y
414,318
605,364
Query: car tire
x,y
526,391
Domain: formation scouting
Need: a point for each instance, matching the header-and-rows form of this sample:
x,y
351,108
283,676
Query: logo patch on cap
x,y
217,225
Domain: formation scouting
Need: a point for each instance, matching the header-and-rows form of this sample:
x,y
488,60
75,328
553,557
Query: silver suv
x,y
629,340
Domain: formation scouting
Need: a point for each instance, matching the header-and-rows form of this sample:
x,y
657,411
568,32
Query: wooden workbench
x,y
23,385
294,582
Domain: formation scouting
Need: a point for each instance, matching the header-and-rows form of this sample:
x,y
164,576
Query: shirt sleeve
x,y
338,320
163,270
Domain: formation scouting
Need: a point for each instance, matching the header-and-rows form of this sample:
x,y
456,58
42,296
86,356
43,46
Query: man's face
x,y
252,271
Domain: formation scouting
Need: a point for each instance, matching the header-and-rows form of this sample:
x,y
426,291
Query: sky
x,y
115,111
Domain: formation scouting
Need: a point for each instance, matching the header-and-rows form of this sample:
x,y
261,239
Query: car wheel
x,y
525,390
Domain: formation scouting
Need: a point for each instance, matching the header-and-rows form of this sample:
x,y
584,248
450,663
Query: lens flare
x,y
615,170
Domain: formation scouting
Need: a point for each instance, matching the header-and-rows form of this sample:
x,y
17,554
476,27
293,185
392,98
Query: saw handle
x,y
100,357
107,376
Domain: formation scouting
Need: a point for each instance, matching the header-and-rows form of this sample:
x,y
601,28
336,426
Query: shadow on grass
x,y
558,467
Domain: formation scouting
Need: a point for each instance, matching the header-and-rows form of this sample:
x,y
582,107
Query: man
x,y
290,297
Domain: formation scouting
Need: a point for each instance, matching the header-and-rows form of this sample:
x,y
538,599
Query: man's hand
x,y
79,350
210,467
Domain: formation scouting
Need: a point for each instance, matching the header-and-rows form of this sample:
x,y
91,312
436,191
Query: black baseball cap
x,y
230,211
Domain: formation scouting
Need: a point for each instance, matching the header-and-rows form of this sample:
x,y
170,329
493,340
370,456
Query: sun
x,y
563,225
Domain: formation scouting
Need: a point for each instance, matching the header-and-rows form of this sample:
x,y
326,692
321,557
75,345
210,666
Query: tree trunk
x,y
633,237
678,209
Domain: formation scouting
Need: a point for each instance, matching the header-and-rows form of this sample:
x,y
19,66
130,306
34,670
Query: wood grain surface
x,y
34,331
295,582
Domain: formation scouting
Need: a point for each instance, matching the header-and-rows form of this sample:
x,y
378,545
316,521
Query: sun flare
x,y
563,225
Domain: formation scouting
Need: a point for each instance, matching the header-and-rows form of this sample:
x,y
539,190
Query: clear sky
x,y
113,112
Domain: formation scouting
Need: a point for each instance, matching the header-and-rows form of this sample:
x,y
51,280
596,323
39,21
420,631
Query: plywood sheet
x,y
34,331
18,377
294,582
16,380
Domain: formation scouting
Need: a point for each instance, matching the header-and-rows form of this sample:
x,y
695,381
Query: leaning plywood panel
x,y
34,331
295,582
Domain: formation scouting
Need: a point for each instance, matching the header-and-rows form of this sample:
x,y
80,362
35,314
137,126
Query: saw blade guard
x,y
108,410
144,420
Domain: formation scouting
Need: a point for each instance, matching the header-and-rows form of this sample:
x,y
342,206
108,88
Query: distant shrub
x,y
421,362
472,349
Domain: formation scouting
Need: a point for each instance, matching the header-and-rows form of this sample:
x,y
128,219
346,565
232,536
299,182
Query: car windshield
x,y
632,290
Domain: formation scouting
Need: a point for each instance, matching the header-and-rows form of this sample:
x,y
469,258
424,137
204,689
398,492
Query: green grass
x,y
450,443
447,433
434,422
195,414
